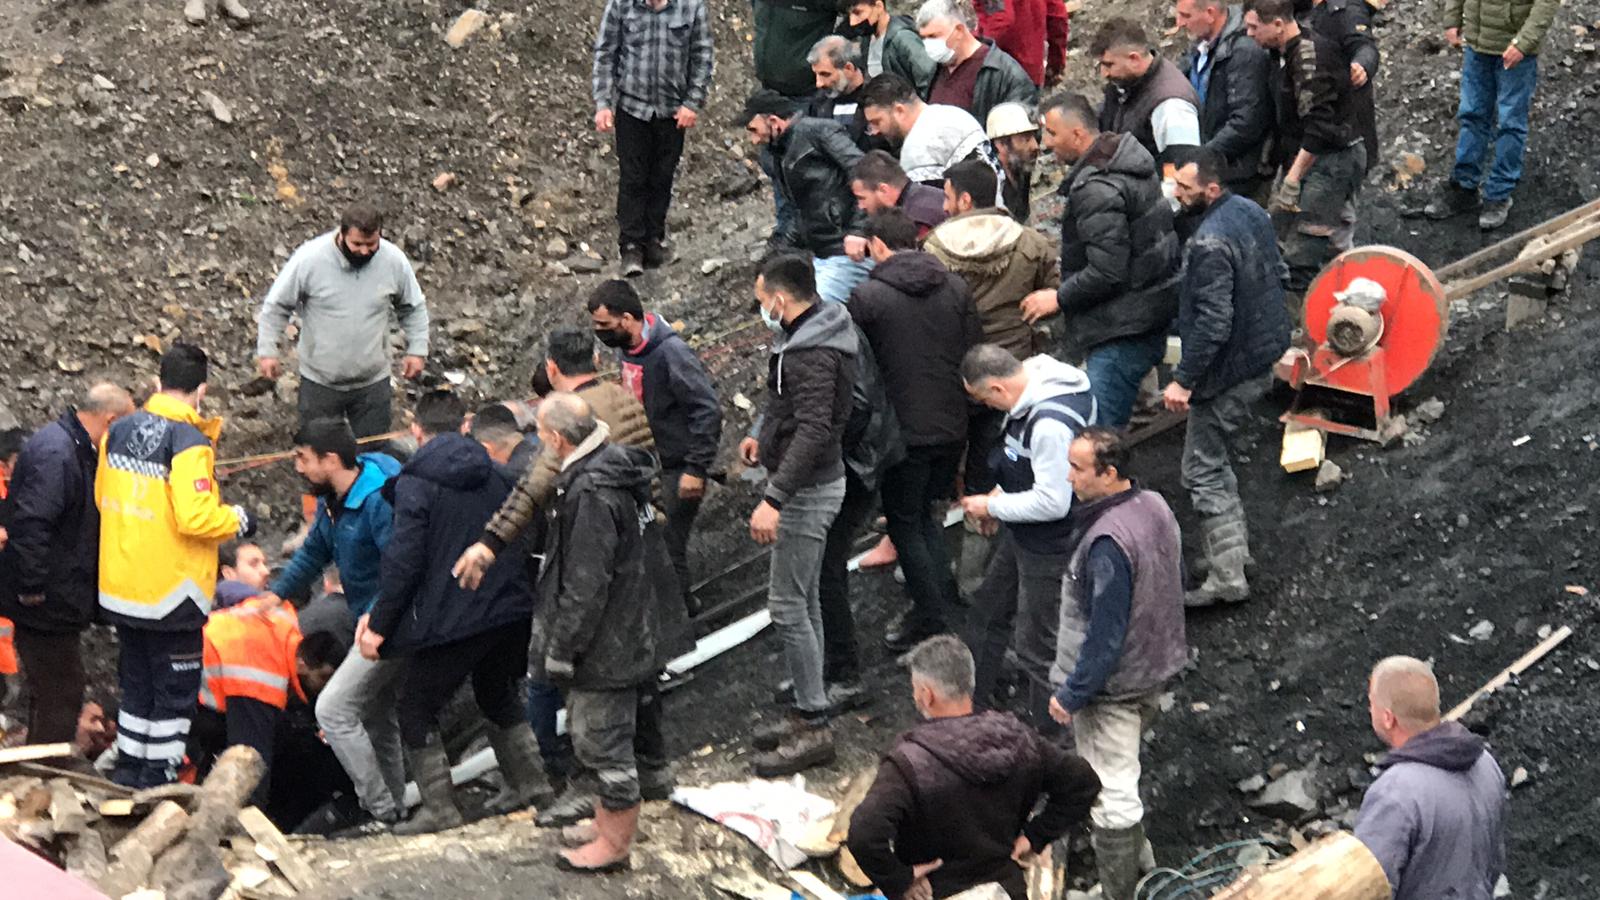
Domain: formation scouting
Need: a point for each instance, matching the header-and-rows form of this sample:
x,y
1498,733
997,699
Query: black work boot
x,y
657,254
573,805
1452,200
809,743
1119,855
431,767
657,782
517,753
632,262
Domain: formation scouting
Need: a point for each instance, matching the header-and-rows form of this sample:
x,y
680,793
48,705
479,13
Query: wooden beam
x,y
79,778
31,752
286,857
1522,664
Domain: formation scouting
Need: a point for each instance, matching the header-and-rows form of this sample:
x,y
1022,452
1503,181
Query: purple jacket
x,y
1434,818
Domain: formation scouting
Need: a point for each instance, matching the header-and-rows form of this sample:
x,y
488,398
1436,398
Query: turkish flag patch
x,y
202,485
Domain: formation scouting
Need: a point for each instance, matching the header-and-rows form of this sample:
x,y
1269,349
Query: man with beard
x,y
930,137
1234,326
1146,95
1015,137
880,184
351,527
344,284
837,64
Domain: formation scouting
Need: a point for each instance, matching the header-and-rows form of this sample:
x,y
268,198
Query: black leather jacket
x,y
816,159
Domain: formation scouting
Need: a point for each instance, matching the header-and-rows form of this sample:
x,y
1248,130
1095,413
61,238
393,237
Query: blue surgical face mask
x,y
772,319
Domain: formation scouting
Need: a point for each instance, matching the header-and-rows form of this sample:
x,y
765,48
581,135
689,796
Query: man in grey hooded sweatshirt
x,y
1047,404
1435,817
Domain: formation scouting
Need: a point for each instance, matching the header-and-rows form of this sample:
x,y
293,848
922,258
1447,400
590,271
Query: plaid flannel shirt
x,y
649,62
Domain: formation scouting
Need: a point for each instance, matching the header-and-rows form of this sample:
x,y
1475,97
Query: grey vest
x,y
1156,647
1130,113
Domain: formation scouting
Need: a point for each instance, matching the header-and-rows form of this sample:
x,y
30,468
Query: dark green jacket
x,y
903,54
785,33
1490,26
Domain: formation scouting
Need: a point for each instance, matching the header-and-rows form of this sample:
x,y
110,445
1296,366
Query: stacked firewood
x,y
178,841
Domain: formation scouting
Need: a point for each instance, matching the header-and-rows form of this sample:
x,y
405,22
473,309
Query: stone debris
x,y
1481,631
218,109
1329,475
466,25
1292,797
1429,411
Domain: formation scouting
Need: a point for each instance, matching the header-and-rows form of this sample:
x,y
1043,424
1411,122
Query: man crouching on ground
x,y
951,806
596,615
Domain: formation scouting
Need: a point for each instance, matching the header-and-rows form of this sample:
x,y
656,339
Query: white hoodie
x,y
1050,498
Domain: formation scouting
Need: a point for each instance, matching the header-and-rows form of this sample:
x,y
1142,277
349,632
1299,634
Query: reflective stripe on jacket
x,y
250,652
161,517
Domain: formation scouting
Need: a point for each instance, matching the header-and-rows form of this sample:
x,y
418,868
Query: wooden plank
x,y
1522,664
289,862
78,778
1303,448
66,810
32,752
118,807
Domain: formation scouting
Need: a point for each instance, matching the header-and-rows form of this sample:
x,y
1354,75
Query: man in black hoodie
x,y
442,498
953,804
920,320
680,402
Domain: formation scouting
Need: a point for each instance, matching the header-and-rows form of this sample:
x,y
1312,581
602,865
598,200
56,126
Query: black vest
x,y
1012,462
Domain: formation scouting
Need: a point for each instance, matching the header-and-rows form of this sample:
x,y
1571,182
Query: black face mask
x,y
614,339
856,32
357,260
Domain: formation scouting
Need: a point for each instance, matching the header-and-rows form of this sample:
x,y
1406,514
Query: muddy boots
x,y
574,804
793,745
517,754
431,767
1121,855
608,851
1227,544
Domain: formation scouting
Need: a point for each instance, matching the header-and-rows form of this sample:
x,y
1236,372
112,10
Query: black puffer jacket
x,y
920,320
1119,255
442,499
816,159
54,529
1231,315
809,379
873,440
961,789
597,607
1237,116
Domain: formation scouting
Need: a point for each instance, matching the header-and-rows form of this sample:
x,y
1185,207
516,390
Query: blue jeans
x,y
1115,369
838,275
544,702
783,210
1492,95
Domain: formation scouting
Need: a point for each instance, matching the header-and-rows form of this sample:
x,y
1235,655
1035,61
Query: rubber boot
x,y
608,852
1118,854
517,753
974,561
1227,549
431,767
195,12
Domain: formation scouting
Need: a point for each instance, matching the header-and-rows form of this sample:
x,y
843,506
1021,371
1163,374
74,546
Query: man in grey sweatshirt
x,y
1047,404
1435,818
345,284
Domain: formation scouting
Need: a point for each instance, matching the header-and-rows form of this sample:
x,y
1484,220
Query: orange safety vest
x,y
8,649
250,652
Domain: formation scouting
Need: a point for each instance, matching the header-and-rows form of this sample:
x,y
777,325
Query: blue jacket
x,y
1435,818
1231,313
679,399
55,530
353,540
442,500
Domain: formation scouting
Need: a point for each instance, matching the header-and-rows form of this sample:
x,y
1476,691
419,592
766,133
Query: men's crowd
x,y
930,351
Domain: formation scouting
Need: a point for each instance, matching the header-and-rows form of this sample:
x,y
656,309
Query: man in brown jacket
x,y
573,366
1002,262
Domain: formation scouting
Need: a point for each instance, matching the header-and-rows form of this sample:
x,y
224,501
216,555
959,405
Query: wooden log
x,y
1336,867
31,752
285,856
67,815
135,855
236,773
86,858
184,794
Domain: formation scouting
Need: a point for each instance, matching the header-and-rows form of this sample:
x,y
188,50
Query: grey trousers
x,y
603,724
1207,465
793,588
357,714
1017,611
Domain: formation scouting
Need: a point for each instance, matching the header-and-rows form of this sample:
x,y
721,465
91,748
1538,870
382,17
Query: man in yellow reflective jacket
x,y
161,520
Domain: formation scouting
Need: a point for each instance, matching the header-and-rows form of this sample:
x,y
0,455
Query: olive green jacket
x,y
1490,26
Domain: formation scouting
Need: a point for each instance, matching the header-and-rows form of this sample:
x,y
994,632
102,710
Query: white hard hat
x,y
1007,119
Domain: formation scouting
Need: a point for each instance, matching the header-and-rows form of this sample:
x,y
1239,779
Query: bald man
x,y
49,569
1435,816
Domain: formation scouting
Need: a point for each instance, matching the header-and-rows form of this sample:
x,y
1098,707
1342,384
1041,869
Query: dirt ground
x,y
130,216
